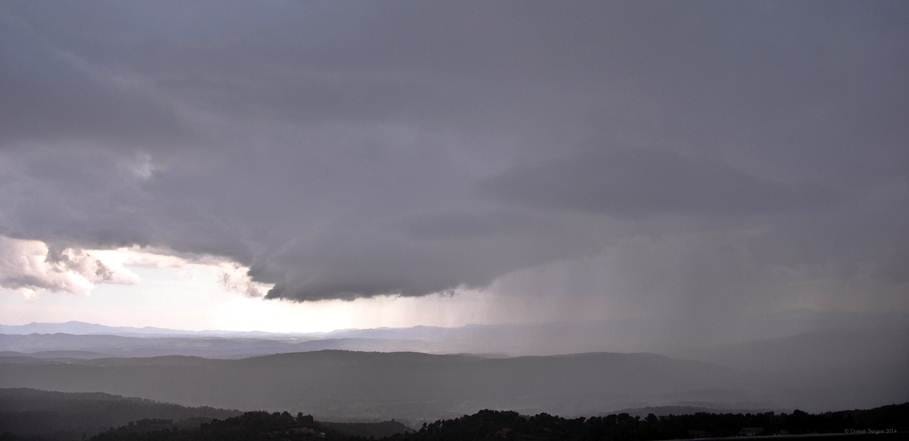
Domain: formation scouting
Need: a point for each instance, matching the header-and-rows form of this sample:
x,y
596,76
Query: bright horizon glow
x,y
163,290
155,288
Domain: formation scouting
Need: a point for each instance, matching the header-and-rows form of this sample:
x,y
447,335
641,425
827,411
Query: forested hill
x,y
32,413
37,415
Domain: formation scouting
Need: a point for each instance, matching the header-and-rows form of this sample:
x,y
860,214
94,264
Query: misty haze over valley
x,y
388,373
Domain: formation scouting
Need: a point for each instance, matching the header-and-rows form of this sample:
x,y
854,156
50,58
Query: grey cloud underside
x,y
641,183
344,150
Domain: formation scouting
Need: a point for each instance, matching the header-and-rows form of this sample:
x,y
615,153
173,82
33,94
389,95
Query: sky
x,y
301,165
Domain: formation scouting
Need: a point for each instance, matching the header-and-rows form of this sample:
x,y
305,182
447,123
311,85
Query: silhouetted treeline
x,y
498,425
495,425
253,426
506,425
374,430
249,426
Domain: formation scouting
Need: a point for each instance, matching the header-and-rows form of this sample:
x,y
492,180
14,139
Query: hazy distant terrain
x,y
361,385
856,335
833,369
820,371
363,375
95,346
346,385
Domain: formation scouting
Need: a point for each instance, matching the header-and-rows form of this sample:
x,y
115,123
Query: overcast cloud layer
x,y
677,156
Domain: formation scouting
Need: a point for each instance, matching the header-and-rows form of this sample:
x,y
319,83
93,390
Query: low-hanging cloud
x,y
346,150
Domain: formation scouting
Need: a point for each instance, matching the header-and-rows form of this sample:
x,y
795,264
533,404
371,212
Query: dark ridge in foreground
x,y
38,415
891,421
883,424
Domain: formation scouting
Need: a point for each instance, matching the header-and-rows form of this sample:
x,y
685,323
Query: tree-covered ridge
x,y
37,415
497,425
74,416
29,415
505,425
252,426
248,426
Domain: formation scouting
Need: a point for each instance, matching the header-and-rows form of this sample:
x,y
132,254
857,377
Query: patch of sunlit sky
x,y
174,293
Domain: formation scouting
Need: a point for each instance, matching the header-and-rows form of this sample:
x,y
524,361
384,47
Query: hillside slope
x,y
41,414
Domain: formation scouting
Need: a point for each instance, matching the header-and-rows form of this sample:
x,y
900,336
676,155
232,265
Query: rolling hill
x,y
42,414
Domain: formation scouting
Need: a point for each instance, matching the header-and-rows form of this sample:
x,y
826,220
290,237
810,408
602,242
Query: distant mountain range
x,y
85,328
511,339
51,346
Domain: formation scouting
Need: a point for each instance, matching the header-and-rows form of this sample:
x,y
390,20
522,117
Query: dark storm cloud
x,y
344,150
642,183
51,93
